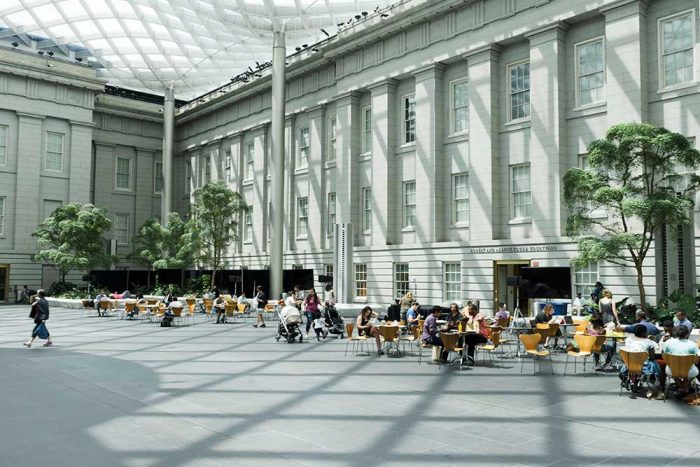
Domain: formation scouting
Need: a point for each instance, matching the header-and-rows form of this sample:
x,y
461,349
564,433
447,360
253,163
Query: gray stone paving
x,y
123,393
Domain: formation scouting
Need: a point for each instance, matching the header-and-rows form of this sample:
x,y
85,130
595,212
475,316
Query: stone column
x,y
548,158
316,196
626,63
144,207
386,189
347,129
80,161
290,203
258,202
431,205
168,136
29,165
484,144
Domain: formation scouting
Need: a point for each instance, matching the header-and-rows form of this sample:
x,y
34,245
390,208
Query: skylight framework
x,y
195,44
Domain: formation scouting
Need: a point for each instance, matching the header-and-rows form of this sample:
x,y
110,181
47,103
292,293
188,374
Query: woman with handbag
x,y
40,313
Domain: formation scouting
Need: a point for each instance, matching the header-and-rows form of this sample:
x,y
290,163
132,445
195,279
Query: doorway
x,y
505,291
4,282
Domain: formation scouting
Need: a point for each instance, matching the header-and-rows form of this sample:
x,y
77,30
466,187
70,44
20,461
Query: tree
x,y
643,177
72,237
173,246
216,211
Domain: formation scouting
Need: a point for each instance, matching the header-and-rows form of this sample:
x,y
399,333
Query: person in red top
x,y
311,310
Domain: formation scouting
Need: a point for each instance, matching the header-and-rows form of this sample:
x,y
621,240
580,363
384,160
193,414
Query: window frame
x,y
4,136
405,205
453,107
455,200
188,177
249,161
406,118
366,209
248,225
400,292
576,285
332,139
205,172
578,76
331,213
446,292
366,131
62,153
3,208
513,192
155,178
663,86
304,147
129,174
510,94
125,216
302,220
360,276
228,166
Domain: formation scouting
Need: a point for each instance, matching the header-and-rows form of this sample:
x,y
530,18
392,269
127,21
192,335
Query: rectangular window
x,y
367,130
121,229
409,204
123,174
360,280
206,170
302,216
452,286
2,215
401,280
409,119
590,72
367,209
248,230
227,165
460,198
519,94
331,213
158,178
520,175
676,40
328,270
188,176
54,151
332,137
249,161
585,279
3,144
459,104
303,147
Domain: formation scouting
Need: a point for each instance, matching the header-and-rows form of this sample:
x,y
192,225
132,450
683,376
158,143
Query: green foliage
x,y
198,285
643,178
173,246
72,237
217,211
678,300
148,244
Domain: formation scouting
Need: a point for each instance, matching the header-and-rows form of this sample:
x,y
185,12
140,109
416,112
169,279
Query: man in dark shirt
x,y
641,319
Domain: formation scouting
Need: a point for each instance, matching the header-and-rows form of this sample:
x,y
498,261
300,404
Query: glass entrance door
x,y
4,281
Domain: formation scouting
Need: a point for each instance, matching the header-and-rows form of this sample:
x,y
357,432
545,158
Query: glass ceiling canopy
x,y
197,45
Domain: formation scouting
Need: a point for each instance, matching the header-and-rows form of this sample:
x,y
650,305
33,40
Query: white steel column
x,y
168,133
277,164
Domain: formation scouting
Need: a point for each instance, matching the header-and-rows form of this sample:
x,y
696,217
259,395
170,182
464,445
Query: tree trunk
x,y
63,276
213,277
640,285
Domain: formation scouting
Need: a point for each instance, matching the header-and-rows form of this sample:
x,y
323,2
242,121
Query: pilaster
x,y
316,195
80,160
29,160
347,118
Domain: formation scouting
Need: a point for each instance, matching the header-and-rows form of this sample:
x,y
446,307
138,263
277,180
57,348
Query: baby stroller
x,y
333,321
289,329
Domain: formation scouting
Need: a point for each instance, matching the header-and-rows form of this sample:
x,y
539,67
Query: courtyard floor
x,y
124,393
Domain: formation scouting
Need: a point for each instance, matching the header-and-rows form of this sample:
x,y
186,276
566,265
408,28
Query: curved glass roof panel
x,y
196,45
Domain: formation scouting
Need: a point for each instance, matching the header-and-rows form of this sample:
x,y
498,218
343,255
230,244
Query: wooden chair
x,y
144,311
270,313
87,307
177,313
129,307
159,313
634,362
585,350
449,344
151,301
531,343
190,313
242,309
208,305
230,310
390,335
598,346
503,322
492,347
413,336
680,366
359,340
191,305
581,327
106,307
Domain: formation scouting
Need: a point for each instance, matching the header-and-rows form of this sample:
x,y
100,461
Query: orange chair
x,y
585,350
359,340
492,347
634,362
531,343
390,335
680,366
449,344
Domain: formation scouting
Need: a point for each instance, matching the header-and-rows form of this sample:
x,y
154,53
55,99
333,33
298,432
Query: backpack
x,y
166,321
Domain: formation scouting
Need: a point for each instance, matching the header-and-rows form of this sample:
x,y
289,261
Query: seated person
x,y
101,297
680,345
640,341
476,330
242,299
597,328
126,294
169,297
413,315
175,304
546,316
682,320
642,320
365,326
220,307
502,313
430,331
666,333
454,317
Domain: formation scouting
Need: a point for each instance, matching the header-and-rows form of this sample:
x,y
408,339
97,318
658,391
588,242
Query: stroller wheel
x,y
301,338
290,340
277,337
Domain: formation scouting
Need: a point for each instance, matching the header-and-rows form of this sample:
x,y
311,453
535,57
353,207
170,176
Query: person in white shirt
x,y
640,341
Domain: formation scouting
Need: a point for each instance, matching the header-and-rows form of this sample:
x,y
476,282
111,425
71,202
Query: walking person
x,y
40,313
607,308
311,311
261,300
